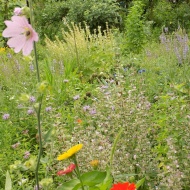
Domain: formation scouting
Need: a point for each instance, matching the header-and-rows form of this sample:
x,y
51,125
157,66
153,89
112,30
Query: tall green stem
x,y
114,146
29,3
76,49
78,171
40,142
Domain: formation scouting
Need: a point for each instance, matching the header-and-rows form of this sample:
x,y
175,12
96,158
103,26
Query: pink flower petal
x,y
22,33
12,29
28,47
17,42
20,21
35,36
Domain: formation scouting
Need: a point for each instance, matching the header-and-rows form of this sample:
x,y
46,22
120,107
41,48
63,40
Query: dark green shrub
x,y
51,16
134,29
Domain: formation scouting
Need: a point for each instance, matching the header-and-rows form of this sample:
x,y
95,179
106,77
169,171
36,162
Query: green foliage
x,y
50,20
54,16
134,29
94,13
171,15
83,53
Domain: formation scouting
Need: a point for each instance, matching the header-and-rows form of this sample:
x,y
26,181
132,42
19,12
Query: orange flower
x,y
123,186
69,169
94,163
79,121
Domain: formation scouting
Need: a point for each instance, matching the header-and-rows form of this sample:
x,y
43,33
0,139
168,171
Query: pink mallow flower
x,y
21,34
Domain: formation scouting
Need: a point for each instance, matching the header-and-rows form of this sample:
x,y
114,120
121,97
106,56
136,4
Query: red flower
x,y
123,186
69,169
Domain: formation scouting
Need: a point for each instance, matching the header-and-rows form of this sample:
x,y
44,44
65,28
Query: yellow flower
x,y
94,163
24,97
42,87
2,50
70,152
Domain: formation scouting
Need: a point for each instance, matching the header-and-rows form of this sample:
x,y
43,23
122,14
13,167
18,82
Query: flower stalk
x,y
78,171
29,4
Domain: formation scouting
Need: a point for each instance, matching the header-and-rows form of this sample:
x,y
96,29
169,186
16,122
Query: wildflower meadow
x,y
94,95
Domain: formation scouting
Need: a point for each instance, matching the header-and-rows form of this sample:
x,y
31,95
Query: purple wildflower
x,y
92,111
30,111
9,55
31,67
26,155
6,116
162,38
76,97
32,99
85,108
48,109
16,145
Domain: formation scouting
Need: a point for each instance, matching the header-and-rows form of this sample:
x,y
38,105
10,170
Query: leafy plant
x,y
134,29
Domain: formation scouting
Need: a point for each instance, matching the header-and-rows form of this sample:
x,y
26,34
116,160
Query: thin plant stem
x,y
36,61
40,142
76,49
114,146
29,3
78,171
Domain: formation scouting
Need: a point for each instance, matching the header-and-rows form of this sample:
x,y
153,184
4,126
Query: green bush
x,y
134,29
52,16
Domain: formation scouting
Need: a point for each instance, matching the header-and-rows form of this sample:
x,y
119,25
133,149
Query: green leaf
x,y
8,183
70,185
93,178
140,182
48,134
107,183
94,188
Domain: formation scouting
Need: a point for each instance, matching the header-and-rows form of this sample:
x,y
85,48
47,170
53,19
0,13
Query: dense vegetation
x,y
106,67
